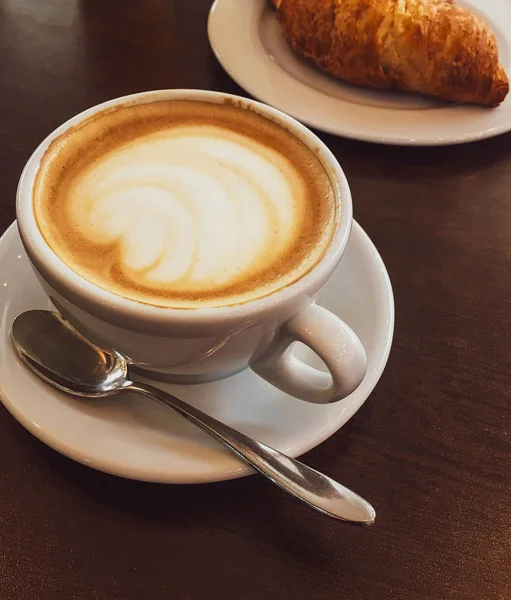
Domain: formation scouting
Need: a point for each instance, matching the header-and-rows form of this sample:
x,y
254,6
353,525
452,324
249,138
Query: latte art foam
x,y
184,204
192,208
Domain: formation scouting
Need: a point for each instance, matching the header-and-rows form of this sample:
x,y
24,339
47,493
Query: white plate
x,y
246,39
134,437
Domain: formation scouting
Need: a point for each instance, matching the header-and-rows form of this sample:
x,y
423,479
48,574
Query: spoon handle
x,y
299,480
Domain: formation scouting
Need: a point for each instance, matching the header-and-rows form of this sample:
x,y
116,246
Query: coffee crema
x,y
184,204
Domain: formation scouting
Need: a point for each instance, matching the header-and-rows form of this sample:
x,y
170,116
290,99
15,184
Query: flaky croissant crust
x,y
431,47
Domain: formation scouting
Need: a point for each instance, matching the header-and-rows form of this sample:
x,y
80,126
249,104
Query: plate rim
x,y
125,471
271,96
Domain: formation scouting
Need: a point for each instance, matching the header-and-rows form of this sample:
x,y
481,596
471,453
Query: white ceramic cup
x,y
203,344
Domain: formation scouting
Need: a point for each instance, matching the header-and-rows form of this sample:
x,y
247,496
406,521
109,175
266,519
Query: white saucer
x,y
246,39
134,437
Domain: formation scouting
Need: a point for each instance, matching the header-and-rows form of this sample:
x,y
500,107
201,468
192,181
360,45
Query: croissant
x,y
431,47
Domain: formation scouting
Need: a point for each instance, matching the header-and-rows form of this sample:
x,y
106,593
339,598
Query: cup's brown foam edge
x,y
59,166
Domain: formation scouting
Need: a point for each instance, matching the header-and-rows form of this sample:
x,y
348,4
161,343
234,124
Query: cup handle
x,y
332,340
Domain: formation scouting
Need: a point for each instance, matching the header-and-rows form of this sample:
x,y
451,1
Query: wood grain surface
x,y
430,448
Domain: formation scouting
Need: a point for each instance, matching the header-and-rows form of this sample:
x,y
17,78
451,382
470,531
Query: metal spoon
x,y
64,358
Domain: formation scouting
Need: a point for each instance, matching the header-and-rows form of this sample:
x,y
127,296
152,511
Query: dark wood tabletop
x,y
430,447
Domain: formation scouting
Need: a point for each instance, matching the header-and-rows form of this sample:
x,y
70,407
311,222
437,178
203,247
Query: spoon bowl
x,y
71,362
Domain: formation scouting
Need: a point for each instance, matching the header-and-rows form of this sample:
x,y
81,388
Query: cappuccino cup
x,y
191,231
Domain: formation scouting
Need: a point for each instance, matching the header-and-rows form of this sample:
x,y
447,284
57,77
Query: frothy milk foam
x,y
184,204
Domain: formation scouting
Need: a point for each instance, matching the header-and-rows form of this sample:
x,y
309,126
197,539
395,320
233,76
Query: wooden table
x,y
431,446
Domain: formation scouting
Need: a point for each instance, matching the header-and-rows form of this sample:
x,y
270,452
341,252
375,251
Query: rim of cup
x,y
97,300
